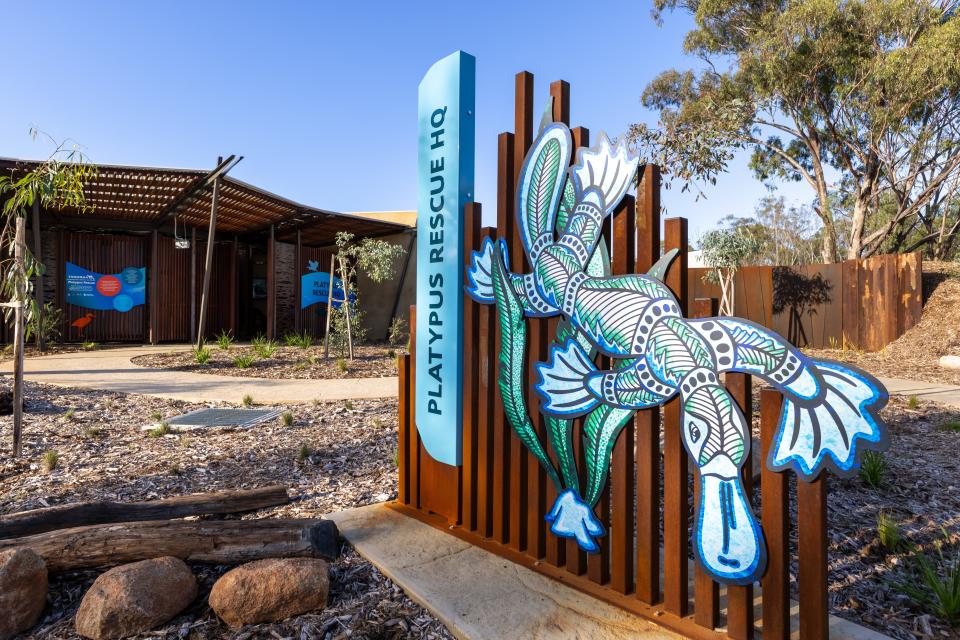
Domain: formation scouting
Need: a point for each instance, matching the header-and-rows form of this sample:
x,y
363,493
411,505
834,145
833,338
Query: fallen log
x,y
205,541
27,523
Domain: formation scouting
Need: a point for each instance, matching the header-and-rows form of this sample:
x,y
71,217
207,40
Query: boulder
x,y
950,362
135,597
23,590
271,590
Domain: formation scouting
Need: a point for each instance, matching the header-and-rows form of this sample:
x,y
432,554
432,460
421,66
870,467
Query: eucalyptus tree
x,y
54,183
859,99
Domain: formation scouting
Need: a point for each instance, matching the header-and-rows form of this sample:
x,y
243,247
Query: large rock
x,y
271,590
950,362
135,597
23,590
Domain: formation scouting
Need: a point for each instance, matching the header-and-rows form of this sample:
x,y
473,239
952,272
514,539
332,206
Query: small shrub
x,y
93,432
89,345
48,324
304,453
224,340
398,331
286,418
913,402
265,349
300,365
888,532
392,354
951,426
258,340
69,413
156,416
873,468
935,584
316,402
50,460
342,365
247,400
303,340
159,431
174,469
349,405
243,362
201,355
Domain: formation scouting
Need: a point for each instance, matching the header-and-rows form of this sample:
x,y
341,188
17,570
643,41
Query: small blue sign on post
x,y
445,174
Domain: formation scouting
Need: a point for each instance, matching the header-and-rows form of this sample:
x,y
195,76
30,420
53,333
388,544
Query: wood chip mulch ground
x,y
349,460
333,456
370,361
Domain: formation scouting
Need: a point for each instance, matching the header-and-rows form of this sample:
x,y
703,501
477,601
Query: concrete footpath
x,y
942,393
112,370
481,596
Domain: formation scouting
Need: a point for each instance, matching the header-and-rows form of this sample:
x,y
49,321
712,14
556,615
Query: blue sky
x,y
321,98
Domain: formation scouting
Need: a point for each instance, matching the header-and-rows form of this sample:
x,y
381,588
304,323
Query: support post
x,y
38,285
193,284
153,311
19,245
297,284
326,331
271,285
208,264
234,279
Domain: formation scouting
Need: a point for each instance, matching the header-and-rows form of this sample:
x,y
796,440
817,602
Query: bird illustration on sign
x,y
830,411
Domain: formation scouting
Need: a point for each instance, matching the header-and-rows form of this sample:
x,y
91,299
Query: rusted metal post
x,y
38,285
208,264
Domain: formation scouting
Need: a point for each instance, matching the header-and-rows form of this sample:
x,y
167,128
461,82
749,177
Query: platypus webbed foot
x,y
570,517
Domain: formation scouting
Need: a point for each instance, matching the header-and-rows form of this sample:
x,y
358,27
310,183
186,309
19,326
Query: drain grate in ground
x,y
214,418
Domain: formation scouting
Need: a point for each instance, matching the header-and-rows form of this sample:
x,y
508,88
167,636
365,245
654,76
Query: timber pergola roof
x,y
151,197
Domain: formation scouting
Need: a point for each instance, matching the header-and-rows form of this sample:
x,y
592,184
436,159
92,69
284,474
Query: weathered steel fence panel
x,y
497,500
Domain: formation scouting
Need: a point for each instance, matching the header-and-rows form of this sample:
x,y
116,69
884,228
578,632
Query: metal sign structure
x,y
445,174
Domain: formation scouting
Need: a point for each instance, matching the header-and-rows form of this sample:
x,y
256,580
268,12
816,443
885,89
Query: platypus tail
x,y
834,427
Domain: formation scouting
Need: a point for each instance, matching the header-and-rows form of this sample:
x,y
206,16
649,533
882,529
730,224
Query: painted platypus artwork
x,y
830,411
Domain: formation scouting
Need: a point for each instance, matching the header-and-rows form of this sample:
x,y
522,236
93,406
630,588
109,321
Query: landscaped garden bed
x,y
89,445
271,360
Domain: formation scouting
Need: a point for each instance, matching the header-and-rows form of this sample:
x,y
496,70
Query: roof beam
x,y
192,192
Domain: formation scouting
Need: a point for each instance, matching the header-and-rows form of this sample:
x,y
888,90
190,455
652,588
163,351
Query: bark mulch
x,y
338,455
370,361
334,456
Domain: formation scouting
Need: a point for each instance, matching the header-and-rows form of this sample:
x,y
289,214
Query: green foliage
x,y
286,418
784,235
855,99
953,425
348,405
156,416
174,469
247,400
888,532
201,355
913,402
159,431
303,340
69,413
934,583
338,328
90,345
342,365
243,361
399,332
725,251
873,469
265,349
47,323
303,454
258,340
391,354
50,460
93,432
224,340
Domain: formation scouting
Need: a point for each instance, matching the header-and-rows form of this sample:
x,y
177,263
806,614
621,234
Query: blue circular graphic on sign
x,y
131,275
122,302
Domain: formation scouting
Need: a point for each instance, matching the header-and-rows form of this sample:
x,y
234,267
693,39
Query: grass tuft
x,y
888,532
159,431
913,402
70,413
224,340
342,365
265,349
90,345
873,469
201,355
304,453
93,432
50,460
953,425
349,405
286,418
243,362
247,400
934,582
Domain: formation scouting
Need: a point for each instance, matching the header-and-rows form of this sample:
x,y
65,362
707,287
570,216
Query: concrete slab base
x,y
481,596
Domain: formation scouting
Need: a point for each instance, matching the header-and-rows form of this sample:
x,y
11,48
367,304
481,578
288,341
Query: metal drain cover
x,y
212,418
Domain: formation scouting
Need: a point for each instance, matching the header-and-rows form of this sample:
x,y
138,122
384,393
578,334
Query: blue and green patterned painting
x,y
830,411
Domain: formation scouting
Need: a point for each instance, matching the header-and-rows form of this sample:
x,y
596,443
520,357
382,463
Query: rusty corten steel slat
x,y
485,412
740,598
405,398
415,444
471,241
812,551
775,505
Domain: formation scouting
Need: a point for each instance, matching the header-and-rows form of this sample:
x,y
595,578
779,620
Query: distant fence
x,y
498,498
857,304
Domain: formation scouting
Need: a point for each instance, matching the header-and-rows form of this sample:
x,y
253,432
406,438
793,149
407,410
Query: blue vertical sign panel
x,y
445,174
